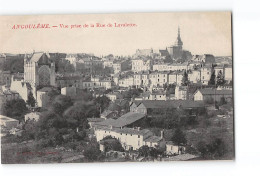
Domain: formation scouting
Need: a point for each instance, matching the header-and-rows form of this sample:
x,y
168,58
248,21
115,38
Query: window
x,y
138,136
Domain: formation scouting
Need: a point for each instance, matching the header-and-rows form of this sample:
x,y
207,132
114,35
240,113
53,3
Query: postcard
x,y
125,87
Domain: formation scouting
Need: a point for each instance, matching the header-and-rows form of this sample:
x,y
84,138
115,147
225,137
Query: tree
x,y
77,114
31,100
185,80
15,109
222,101
220,79
61,103
102,102
202,148
111,143
168,59
146,151
69,68
92,152
179,137
212,79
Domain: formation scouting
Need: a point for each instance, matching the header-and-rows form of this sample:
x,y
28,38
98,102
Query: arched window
x,y
44,75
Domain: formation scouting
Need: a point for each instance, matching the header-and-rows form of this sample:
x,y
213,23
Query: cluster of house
x,y
125,128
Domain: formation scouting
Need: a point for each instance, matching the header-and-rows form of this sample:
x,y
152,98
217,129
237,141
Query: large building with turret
x,y
176,51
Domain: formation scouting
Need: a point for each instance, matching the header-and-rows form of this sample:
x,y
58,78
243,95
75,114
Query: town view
x,y
165,104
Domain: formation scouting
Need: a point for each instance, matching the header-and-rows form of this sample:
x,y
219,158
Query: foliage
x,y
146,151
185,80
222,101
14,64
15,109
102,102
132,93
60,104
31,100
112,144
179,137
214,150
212,79
76,115
83,95
168,59
92,152
220,79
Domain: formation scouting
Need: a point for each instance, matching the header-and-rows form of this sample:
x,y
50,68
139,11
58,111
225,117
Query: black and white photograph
x,y
130,87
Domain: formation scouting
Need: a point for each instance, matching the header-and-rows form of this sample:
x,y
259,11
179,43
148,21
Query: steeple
x,y
178,40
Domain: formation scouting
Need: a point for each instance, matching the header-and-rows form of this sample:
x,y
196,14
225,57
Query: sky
x,y
201,33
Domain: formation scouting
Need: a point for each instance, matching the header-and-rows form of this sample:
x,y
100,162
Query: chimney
x,y
77,129
111,127
138,128
162,134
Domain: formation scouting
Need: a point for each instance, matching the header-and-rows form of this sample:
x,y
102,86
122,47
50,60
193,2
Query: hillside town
x,y
154,105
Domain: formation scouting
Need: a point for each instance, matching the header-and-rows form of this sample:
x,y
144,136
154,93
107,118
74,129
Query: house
x,y
228,76
206,73
181,93
154,95
92,121
194,76
212,94
141,64
114,96
20,86
148,106
8,122
69,91
69,81
159,78
32,116
97,82
130,138
107,114
43,98
173,149
175,77
127,120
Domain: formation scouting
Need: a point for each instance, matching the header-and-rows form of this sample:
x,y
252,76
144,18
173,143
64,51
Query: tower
x,y
178,40
175,50
39,70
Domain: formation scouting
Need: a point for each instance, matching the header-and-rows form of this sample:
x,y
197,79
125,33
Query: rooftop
x,y
170,103
212,92
122,121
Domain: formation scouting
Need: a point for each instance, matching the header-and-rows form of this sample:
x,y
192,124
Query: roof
x,y
171,103
122,121
164,52
37,56
172,143
133,131
95,119
212,92
45,89
34,113
153,139
106,113
5,119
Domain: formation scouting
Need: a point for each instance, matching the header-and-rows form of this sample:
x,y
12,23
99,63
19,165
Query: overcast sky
x,y
201,33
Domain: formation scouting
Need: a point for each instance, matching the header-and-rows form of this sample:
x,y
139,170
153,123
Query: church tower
x,y
39,70
178,40
175,50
